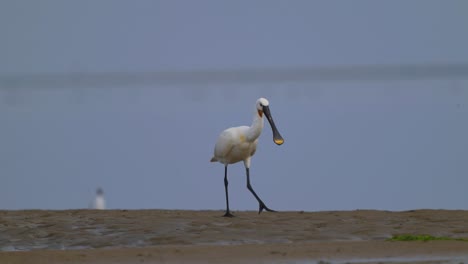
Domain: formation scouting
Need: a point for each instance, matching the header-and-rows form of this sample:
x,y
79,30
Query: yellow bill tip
x,y
279,141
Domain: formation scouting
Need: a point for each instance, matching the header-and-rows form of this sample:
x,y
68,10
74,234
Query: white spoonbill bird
x,y
239,144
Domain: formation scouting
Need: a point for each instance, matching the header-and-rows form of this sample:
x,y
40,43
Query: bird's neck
x,y
256,128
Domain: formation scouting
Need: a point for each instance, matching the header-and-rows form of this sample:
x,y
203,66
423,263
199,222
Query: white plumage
x,y
240,143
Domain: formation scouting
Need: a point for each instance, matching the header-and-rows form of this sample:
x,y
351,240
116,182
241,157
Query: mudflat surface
x,y
174,236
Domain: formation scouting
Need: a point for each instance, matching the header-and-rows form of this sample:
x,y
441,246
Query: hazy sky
x,y
387,144
112,35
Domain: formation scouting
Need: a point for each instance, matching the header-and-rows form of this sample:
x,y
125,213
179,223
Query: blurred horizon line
x,y
380,72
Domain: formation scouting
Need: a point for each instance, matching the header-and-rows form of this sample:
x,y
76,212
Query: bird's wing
x,y
224,145
224,148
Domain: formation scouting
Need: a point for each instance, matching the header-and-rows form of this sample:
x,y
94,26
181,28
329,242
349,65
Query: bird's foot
x,y
228,214
262,207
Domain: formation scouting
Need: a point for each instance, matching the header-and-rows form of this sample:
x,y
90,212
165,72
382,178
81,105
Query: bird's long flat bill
x,y
277,138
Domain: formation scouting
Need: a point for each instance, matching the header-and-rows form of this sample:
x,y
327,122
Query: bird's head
x,y
261,102
264,108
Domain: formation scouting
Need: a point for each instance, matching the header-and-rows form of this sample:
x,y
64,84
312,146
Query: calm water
x,y
391,145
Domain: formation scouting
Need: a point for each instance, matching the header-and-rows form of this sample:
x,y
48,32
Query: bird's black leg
x,y
261,203
228,213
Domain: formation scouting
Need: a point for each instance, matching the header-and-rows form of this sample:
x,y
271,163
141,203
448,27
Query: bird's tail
x,y
213,159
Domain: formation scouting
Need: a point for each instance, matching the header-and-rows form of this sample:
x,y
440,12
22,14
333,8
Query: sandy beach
x,y
176,236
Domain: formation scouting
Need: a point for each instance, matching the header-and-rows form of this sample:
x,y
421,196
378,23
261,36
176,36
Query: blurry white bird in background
x,y
239,144
99,201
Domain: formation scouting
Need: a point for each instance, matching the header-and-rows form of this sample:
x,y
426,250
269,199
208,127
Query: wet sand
x,y
173,236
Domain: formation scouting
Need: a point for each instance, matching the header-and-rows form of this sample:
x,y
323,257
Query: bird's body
x,y
233,145
240,143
